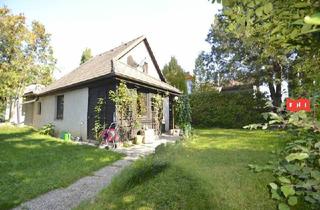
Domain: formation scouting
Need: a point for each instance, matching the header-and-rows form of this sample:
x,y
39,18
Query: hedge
x,y
226,110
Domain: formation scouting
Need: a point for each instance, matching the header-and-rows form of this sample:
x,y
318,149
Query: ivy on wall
x,y
183,114
157,103
125,100
98,127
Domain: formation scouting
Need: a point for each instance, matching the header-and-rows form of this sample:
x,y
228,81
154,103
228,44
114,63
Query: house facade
x,y
69,102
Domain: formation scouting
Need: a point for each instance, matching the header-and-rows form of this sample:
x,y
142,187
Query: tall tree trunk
x,y
3,107
292,82
275,86
18,110
275,93
10,109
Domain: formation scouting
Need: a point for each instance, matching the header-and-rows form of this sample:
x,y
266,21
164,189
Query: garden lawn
x,y
32,164
208,172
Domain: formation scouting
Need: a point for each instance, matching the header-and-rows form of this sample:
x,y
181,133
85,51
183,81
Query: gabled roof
x,y
101,66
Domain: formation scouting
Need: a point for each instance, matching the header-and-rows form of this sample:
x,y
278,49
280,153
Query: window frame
x,y
59,107
39,108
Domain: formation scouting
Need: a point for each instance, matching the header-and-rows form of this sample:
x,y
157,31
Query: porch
x,y
140,117
136,151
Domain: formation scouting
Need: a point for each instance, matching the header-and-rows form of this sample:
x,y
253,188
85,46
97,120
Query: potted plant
x,y
128,143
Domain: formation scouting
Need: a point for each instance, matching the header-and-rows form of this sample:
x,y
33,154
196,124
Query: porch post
x,y
171,112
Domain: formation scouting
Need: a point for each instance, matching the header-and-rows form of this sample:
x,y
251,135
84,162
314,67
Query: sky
x,y
173,27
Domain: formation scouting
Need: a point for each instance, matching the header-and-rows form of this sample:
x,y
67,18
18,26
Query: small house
x,y
69,102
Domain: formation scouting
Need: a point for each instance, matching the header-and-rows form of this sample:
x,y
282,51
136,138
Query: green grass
x,y
32,164
208,172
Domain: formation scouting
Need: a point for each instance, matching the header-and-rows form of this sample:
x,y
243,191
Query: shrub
x,y
183,115
47,130
298,175
226,110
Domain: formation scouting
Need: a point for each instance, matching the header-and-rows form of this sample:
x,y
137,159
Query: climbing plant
x,y
125,100
98,127
141,104
157,103
183,114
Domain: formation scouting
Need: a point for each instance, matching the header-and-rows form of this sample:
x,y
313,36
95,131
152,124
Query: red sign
x,y
301,104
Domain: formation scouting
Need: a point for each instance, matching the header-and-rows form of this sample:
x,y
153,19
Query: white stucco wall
x,y
140,55
74,113
27,111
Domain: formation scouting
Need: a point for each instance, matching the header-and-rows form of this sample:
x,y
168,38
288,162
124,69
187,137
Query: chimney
x,y
145,67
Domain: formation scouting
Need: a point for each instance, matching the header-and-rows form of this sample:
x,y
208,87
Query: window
x,y
39,108
60,101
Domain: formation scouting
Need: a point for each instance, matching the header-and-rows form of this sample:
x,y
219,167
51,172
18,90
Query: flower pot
x,y
138,139
149,136
127,143
175,132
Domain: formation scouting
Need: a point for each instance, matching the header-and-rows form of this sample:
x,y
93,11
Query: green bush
x,y
298,168
298,172
47,130
226,110
183,115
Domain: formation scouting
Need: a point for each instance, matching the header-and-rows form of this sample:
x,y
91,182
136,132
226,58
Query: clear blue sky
x,y
173,27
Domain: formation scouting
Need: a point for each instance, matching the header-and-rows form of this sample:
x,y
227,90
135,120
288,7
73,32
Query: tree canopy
x,y
26,56
264,43
175,75
86,55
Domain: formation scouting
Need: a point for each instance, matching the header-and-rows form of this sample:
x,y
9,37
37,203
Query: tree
x,y
86,55
224,62
203,77
175,75
269,37
25,55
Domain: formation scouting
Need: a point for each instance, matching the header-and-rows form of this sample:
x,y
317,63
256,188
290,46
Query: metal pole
x,y
172,115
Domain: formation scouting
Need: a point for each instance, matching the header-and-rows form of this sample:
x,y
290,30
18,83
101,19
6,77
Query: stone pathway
x,y
88,187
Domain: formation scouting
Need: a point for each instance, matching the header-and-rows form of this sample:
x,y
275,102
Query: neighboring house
x,y
14,112
69,102
230,86
236,86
